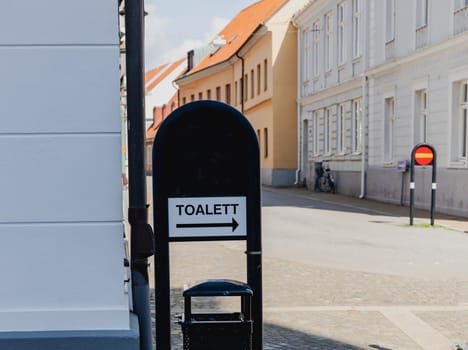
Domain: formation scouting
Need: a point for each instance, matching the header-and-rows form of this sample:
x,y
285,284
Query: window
x,y
315,133
259,79
246,87
235,93
252,84
184,100
356,126
265,142
341,33
389,118
200,95
390,20
340,139
328,41
356,27
192,97
316,50
265,75
208,94
463,121
306,52
241,90
458,4
228,93
327,131
420,120
421,13
218,93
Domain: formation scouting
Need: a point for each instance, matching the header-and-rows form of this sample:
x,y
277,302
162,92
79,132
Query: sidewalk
x,y
421,217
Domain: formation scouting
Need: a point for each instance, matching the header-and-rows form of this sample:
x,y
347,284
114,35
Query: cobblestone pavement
x,y
312,307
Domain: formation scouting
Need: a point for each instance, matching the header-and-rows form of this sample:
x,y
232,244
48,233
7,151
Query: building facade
x,y
332,91
62,245
409,87
252,67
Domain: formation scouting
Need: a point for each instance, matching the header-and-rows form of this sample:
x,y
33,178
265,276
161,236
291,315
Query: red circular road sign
x,y
423,156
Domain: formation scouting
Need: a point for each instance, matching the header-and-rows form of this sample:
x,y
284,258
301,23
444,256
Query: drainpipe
x,y
141,235
243,82
300,155
365,107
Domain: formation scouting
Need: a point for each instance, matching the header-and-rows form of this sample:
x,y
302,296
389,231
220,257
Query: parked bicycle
x,y
324,179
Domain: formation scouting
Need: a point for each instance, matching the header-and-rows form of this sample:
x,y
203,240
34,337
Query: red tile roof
x,y
163,72
159,114
152,73
239,30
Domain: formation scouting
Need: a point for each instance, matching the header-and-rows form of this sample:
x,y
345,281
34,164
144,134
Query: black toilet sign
x,y
206,187
207,216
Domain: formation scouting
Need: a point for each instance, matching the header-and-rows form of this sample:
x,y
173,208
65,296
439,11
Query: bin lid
x,y
218,288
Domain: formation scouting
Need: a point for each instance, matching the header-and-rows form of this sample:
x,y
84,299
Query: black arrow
x,y
232,224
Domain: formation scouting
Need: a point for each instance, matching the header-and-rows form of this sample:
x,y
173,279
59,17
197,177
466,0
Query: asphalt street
x,y
339,273
340,236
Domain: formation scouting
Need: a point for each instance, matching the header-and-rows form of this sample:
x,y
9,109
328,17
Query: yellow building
x,y
252,66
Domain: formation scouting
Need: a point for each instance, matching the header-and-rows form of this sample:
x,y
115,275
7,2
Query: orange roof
x,y
239,30
152,73
159,114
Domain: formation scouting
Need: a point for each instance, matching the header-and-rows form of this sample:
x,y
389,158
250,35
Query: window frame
x,y
306,54
340,128
390,19
316,49
422,13
227,88
328,41
316,132
459,4
463,120
259,79
327,131
389,129
356,32
356,117
341,20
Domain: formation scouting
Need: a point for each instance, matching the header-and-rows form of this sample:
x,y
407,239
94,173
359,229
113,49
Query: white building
x,y
61,251
408,85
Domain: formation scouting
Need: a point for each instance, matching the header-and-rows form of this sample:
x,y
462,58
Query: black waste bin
x,y
218,331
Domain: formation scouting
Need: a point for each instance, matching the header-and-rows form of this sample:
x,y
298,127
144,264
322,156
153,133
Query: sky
x,y
174,27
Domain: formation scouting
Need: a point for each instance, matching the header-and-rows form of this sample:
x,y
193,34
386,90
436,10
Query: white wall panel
x,y
55,22
59,89
61,273
60,178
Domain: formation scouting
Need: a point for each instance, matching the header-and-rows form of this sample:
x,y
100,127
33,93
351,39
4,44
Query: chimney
x,y
190,55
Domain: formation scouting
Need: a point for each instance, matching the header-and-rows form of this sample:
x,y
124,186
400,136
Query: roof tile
x,y
239,30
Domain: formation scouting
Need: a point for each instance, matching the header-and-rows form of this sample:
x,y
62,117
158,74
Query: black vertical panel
x,y
203,149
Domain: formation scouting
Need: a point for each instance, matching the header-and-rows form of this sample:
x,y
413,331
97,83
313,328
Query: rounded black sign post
x,y
206,186
423,154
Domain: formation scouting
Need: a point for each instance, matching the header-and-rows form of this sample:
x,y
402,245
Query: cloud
x,y
218,24
186,45
160,49
156,40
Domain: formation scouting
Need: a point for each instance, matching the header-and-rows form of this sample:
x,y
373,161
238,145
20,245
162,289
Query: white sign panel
x,y
207,216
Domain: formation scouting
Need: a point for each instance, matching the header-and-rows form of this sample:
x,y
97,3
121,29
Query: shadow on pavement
x,y
304,198
280,338
275,337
